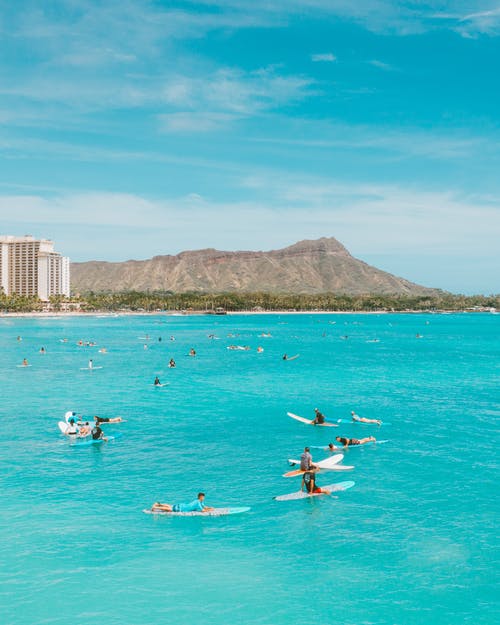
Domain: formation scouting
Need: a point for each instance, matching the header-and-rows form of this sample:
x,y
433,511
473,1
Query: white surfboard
x,y
214,512
328,464
333,488
310,421
89,368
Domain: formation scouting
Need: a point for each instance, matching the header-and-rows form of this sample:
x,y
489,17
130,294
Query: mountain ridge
x,y
308,266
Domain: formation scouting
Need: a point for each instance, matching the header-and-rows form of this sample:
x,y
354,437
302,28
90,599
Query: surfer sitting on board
x,y
99,420
309,484
97,433
306,461
358,419
319,418
194,506
25,362
157,381
346,442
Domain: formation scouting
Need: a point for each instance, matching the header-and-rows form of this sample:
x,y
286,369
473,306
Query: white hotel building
x,y
31,267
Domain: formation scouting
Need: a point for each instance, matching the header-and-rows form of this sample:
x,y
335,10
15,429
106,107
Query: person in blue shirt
x,y
194,506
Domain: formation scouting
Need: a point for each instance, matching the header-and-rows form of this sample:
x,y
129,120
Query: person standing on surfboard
x,y
194,506
319,418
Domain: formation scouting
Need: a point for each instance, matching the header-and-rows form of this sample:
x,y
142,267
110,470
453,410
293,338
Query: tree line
x,y
136,301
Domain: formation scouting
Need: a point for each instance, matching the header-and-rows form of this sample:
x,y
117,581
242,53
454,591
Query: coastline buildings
x,y
31,267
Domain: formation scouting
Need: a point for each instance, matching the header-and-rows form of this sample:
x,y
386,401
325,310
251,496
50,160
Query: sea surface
x,y
414,541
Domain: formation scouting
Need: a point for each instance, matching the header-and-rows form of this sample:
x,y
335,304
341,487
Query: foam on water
x,y
414,541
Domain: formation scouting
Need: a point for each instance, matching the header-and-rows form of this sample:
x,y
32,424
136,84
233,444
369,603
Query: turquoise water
x,y
414,541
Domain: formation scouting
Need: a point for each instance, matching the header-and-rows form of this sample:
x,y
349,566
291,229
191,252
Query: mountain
x,y
319,266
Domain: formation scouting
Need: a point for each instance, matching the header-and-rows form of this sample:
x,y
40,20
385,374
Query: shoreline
x,y
104,314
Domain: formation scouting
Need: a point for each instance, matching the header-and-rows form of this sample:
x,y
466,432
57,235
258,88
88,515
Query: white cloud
x,y
326,57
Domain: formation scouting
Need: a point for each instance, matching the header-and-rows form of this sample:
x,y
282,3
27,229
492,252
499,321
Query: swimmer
x,y
42,350
192,352
260,350
19,338
171,364
197,505
347,442
103,350
358,419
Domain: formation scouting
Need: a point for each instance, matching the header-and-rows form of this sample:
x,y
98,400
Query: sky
x,y
132,128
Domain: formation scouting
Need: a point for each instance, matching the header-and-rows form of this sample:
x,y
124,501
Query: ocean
x,y
414,541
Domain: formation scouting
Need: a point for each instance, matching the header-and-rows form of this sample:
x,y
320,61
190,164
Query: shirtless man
x,y
358,419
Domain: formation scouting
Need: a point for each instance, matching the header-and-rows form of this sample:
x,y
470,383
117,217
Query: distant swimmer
x,y
42,350
103,350
19,338
260,350
348,442
345,337
192,352
25,363
157,381
319,417
285,356
172,338
197,505
309,484
159,339
171,364
419,336
145,346
98,420
306,461
358,419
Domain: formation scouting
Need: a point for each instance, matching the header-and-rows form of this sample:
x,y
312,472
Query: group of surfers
x,y
84,429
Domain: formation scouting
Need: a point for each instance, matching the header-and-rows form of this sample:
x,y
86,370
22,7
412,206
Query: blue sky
x,y
132,128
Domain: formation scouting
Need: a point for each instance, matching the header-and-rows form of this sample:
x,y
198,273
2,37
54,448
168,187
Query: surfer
x,y
358,419
99,420
285,357
91,364
260,350
97,433
192,352
306,461
157,381
309,484
25,363
319,417
346,442
171,364
19,338
194,506
42,350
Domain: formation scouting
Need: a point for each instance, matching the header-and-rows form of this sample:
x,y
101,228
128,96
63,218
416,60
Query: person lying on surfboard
x,y
358,419
194,506
346,442
309,484
99,420
319,418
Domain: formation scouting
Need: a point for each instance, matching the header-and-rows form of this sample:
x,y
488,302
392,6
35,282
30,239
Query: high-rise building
x,y
31,267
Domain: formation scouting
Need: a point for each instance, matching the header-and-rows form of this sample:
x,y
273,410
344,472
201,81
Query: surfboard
x,y
310,421
336,467
351,422
333,488
89,368
214,512
22,366
99,441
291,357
327,464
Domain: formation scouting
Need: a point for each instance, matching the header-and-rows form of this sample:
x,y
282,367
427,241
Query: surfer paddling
x,y
359,419
348,442
197,505
98,420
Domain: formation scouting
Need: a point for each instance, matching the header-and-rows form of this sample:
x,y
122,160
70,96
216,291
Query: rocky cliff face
x,y
317,266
